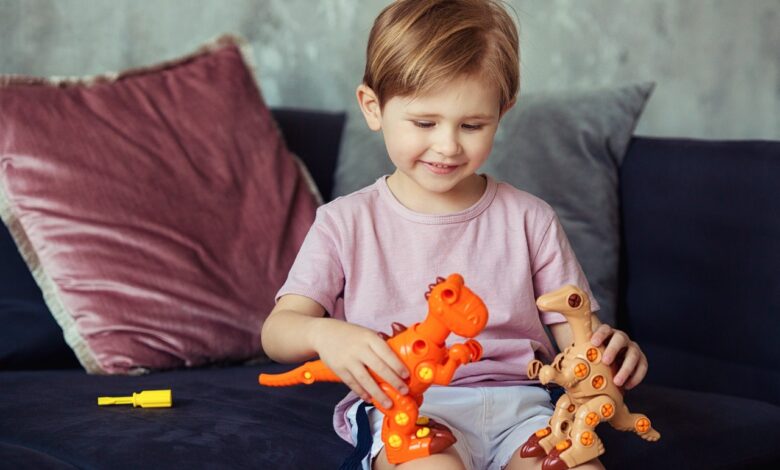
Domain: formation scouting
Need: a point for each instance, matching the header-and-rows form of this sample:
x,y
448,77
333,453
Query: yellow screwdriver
x,y
144,399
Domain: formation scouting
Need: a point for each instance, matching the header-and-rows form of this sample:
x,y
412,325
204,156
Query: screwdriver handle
x,y
144,399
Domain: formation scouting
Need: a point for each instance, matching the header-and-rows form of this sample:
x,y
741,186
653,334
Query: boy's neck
x,y
414,198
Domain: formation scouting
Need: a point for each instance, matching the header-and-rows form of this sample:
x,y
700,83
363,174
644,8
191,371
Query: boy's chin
x,y
441,186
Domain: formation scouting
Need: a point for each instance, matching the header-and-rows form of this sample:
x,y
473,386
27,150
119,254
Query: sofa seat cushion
x,y
222,418
698,431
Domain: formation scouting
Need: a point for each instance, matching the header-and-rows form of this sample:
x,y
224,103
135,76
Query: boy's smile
x,y
437,141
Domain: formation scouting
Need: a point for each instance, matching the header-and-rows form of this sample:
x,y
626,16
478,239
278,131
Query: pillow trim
x,y
48,287
248,56
308,179
65,81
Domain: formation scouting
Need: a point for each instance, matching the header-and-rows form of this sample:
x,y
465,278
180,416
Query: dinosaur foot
x,y
567,454
645,430
428,439
532,447
651,435
554,460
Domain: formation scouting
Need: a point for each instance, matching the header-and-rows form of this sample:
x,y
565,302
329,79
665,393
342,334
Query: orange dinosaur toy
x,y
591,396
452,307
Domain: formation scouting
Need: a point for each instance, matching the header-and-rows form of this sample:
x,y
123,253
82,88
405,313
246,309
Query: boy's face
x,y
438,141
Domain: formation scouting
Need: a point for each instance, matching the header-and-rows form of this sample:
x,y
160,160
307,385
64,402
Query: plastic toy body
x,y
452,308
591,396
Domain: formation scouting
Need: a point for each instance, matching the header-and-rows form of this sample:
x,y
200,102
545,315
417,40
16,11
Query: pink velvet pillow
x,y
159,210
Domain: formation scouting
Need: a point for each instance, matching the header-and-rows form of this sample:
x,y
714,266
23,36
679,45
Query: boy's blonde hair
x,y
416,45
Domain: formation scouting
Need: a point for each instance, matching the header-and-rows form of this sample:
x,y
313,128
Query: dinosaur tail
x,y
308,373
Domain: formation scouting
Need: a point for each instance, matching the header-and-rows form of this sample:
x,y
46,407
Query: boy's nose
x,y
446,144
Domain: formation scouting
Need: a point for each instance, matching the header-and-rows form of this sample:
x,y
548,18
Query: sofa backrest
x,y
315,137
701,261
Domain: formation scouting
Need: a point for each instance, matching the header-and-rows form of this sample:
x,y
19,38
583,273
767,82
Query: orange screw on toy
x,y
591,396
452,308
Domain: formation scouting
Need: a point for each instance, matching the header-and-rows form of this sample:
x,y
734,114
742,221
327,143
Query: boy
x,y
439,76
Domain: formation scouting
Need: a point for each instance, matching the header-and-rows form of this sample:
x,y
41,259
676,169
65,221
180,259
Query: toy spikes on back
x,y
452,308
591,396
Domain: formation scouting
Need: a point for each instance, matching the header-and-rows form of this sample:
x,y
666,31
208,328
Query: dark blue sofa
x,y
700,292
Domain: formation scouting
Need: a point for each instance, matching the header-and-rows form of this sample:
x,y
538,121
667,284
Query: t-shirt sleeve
x,y
317,271
554,266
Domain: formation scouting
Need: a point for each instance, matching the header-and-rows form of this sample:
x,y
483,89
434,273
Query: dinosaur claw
x,y
554,460
441,437
532,448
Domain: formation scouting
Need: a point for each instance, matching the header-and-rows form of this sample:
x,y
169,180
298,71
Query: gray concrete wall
x,y
716,62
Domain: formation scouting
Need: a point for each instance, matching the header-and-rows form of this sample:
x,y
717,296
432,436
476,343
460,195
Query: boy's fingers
x,y
628,366
380,367
602,333
368,383
618,341
639,375
384,351
350,381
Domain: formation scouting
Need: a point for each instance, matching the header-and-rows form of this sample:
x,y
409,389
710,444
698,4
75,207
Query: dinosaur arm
x,y
458,354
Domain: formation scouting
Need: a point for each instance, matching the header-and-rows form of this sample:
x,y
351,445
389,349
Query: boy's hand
x,y
349,349
634,366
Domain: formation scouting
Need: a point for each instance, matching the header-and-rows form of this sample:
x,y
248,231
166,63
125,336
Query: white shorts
x,y
490,423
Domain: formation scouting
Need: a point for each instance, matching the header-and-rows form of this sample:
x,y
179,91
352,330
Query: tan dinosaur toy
x,y
591,396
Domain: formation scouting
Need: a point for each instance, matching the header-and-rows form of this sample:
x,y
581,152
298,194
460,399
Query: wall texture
x,y
716,62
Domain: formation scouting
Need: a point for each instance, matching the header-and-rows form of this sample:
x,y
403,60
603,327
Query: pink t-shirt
x,y
368,259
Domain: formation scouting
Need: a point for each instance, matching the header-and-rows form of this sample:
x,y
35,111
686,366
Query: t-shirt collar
x,y
437,219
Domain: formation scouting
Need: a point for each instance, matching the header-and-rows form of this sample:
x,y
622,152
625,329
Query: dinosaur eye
x,y
575,301
447,294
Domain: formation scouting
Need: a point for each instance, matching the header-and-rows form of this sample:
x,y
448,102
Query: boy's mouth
x,y
440,168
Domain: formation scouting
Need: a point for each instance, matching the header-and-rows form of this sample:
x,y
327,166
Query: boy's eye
x,y
423,124
472,127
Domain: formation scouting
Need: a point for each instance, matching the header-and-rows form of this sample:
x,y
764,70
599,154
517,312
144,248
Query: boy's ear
x,y
507,107
369,105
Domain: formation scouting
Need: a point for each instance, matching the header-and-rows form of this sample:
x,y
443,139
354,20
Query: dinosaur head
x,y
569,300
456,306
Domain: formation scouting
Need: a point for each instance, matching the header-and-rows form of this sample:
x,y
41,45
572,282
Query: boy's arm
x,y
296,330
286,334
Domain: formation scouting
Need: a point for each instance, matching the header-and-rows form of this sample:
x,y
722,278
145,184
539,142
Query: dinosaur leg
x,y
624,420
408,436
542,441
583,443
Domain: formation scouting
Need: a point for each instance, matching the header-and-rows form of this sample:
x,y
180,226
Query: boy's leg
x,y
519,463
452,457
448,459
